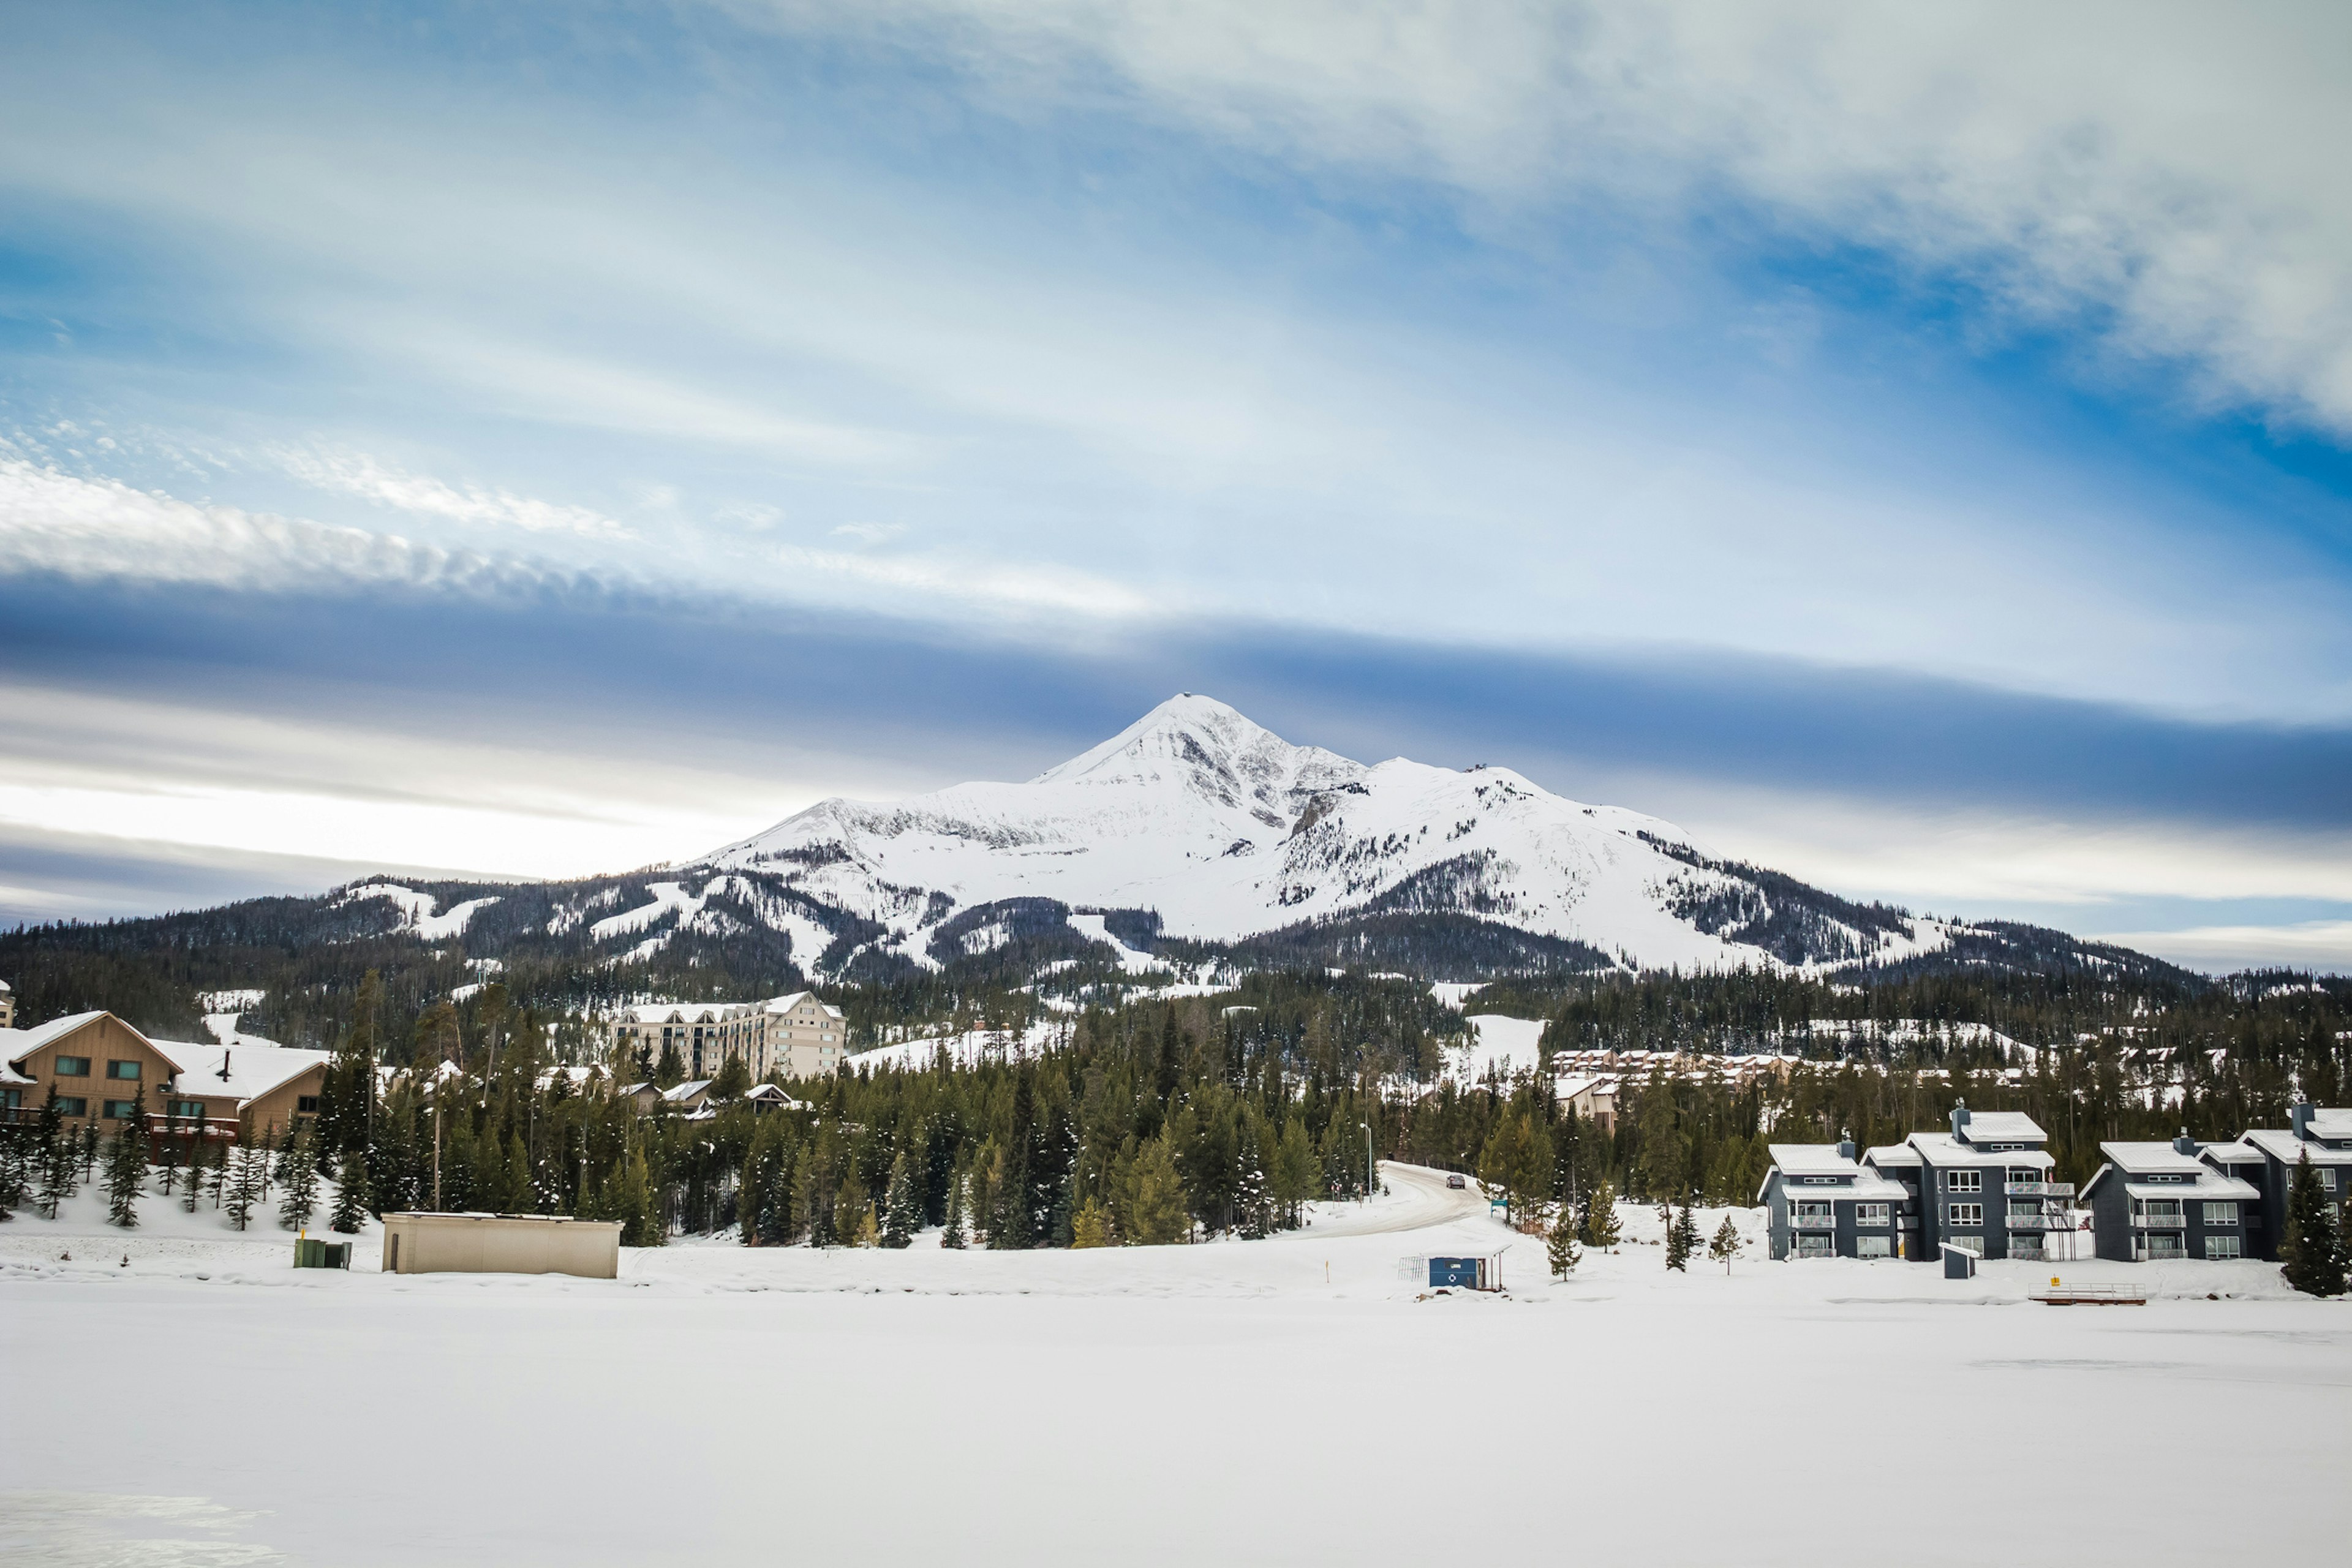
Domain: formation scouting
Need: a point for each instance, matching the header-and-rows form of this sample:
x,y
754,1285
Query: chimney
x,y
224,1072
1960,1120
2299,1118
1845,1143
2184,1145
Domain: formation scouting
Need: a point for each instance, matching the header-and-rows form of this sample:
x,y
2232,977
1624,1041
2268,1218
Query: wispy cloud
x,y
102,528
358,474
2167,176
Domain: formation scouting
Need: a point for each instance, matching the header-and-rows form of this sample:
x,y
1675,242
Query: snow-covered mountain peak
x,y
1214,753
1221,830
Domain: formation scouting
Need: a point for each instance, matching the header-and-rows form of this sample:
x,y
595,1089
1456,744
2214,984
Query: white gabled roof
x,y
2239,1153
2330,1121
682,1012
2281,1144
1813,1160
1943,1149
1901,1154
687,1090
19,1044
2152,1158
2211,1184
2004,1127
252,1070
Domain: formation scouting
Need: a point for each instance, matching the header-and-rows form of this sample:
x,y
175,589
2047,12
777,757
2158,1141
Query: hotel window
x,y
69,1067
2220,1214
1964,1181
72,1105
122,1110
122,1069
2222,1246
1871,1214
1965,1213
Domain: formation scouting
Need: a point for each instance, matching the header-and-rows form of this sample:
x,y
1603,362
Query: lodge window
x,y
120,1110
70,1066
1964,1181
186,1110
305,1105
122,1069
1966,1214
72,1105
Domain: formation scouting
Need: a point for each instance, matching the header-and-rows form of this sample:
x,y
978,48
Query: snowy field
x,y
1282,1402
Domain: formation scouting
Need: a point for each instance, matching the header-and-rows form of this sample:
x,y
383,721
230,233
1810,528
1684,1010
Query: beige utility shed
x,y
502,1243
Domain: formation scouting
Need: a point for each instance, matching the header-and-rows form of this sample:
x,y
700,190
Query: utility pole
x,y
1371,1180
436,1144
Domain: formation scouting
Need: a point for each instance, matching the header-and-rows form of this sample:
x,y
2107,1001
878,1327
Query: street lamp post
x,y
1371,1181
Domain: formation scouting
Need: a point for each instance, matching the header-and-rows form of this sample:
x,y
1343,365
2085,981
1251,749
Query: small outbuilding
x,y
502,1243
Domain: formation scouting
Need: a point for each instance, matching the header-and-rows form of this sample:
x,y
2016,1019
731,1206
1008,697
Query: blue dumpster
x,y
1459,1273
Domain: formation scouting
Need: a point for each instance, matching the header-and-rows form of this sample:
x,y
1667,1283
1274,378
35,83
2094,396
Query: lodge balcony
x,y
222,1129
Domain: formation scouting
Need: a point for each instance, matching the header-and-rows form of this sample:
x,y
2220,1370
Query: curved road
x,y
1429,1201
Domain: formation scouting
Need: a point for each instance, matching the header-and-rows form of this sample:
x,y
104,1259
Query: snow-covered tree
x,y
1559,1243
350,1209
126,1167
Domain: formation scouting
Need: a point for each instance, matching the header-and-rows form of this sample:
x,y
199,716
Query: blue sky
x,y
555,439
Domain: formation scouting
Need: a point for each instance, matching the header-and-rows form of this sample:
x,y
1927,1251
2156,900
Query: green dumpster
x,y
313,1254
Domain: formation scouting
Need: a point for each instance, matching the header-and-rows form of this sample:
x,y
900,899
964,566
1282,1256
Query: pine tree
x,y
902,1208
1601,1228
951,1236
1092,1225
1725,1245
197,1155
1559,1243
126,1168
1159,1216
167,1158
299,1190
350,1197
1682,1239
244,1184
808,1218
852,1214
58,1158
12,1174
2311,1251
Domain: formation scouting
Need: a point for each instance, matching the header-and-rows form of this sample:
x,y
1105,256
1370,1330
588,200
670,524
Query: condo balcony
x,y
2041,1189
2159,1222
2037,1222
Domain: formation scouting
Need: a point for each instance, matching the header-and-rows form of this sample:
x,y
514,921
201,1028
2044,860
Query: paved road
x,y
1428,1202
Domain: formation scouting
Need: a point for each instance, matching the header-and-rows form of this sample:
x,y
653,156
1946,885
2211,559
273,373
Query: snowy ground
x,y
1239,1403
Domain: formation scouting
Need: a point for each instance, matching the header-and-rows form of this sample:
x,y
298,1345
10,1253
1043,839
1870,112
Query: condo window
x,y
120,1110
2222,1246
70,1066
1870,1214
122,1069
1964,1181
72,1105
1966,1214
1872,1246
2220,1214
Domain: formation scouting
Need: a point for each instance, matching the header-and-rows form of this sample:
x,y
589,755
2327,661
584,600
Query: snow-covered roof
x,y
2330,1121
2151,1158
10,1076
244,1070
2213,1185
797,999
1943,1149
1884,1154
1813,1160
2236,1153
682,1012
2283,1145
19,1044
2002,1126
687,1090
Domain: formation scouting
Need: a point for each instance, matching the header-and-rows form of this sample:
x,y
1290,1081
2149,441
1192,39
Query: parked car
x,y
1454,1179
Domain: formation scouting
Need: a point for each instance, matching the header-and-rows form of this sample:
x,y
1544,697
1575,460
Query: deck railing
x,y
2041,1189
